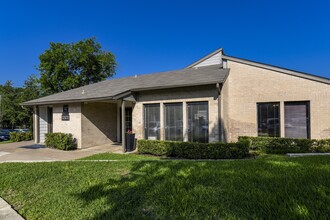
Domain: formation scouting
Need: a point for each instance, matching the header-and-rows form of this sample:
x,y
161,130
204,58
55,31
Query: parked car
x,y
8,130
4,136
22,130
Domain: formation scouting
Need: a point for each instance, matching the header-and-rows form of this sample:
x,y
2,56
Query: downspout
x,y
218,86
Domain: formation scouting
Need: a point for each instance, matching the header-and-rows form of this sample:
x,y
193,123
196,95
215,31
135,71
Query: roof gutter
x,y
66,101
174,86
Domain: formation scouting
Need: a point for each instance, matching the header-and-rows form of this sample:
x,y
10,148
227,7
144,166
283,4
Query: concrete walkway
x,y
307,154
27,151
7,212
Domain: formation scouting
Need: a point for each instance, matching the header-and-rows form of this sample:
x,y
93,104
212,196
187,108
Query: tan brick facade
x,y
90,123
72,126
247,85
98,123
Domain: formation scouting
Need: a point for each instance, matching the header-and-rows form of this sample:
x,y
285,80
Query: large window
x,y
152,122
173,122
268,119
198,123
296,119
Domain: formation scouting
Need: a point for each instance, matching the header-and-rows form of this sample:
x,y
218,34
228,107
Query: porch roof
x,y
122,87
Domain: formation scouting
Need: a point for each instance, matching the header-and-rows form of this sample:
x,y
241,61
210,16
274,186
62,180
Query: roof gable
x,y
218,57
213,58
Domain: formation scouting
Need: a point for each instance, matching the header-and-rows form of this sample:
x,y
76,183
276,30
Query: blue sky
x,y
154,36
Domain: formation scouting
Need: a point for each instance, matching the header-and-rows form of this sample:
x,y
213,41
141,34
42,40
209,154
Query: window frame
x,y
308,109
165,119
208,119
144,120
279,117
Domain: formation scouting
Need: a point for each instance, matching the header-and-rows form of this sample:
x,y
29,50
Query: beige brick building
x,y
217,98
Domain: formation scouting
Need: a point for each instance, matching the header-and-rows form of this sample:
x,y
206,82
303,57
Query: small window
x,y
173,122
65,113
198,122
152,121
65,109
297,119
269,119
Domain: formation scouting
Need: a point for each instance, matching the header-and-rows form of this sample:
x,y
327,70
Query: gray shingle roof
x,y
109,89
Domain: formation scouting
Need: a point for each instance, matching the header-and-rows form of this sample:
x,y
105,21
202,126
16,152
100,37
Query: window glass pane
x,y
152,122
296,119
128,119
268,119
198,122
173,122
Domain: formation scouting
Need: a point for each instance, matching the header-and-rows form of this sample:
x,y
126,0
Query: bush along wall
x,y
20,136
286,145
60,141
193,150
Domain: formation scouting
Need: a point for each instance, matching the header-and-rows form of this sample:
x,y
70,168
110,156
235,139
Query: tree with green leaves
x,y
8,105
31,90
14,115
66,66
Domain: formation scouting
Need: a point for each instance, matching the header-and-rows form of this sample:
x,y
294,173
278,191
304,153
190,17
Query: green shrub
x,y
321,146
12,136
158,148
255,143
194,150
20,136
60,141
28,136
286,145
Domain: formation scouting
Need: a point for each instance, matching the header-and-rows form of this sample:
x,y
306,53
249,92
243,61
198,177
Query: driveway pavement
x,y
27,151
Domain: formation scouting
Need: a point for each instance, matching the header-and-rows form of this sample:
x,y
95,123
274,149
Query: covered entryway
x,y
91,123
105,122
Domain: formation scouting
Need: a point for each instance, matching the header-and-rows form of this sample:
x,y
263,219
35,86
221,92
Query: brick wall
x,y
246,85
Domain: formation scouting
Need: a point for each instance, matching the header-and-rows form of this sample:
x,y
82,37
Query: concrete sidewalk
x,y
28,151
7,212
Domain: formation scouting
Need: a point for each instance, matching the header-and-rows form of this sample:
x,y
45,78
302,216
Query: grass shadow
x,y
187,189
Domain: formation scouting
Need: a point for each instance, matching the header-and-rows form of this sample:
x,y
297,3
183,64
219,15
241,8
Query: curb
x,y
307,154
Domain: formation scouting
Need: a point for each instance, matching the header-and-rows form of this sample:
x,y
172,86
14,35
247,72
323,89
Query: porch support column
x,y
161,118
282,121
123,125
184,121
36,124
118,121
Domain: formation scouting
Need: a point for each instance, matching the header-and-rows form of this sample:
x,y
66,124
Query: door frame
x,y
130,109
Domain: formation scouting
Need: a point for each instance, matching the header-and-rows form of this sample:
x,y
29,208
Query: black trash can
x,y
130,142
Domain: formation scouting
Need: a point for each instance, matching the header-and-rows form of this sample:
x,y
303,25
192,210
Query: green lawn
x,y
275,187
